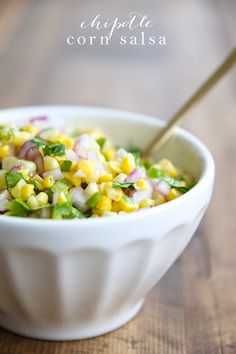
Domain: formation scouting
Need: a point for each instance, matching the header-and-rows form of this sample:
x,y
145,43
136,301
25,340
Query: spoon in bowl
x,y
178,118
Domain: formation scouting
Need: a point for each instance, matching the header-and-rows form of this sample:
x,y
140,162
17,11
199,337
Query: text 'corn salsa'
x,y
53,173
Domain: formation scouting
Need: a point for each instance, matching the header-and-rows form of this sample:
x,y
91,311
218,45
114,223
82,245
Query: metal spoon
x,y
177,119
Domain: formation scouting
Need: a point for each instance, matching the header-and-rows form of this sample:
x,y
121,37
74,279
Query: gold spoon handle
x,y
161,138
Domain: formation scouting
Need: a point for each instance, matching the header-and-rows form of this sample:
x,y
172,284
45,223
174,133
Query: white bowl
x,y
74,279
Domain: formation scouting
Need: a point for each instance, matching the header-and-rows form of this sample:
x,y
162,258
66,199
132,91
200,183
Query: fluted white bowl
x,y
74,279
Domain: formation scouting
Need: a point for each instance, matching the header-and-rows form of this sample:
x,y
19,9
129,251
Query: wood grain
x,y
192,310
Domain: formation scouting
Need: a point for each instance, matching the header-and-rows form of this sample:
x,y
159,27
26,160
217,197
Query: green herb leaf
x,y
101,142
129,185
92,202
56,149
12,178
155,172
38,142
134,149
17,208
176,184
66,165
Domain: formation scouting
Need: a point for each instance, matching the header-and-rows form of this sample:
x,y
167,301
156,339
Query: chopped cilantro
x,y
12,178
17,208
56,149
101,142
134,149
38,142
176,184
66,165
129,185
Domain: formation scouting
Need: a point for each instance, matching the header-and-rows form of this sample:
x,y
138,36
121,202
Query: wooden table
x,y
193,308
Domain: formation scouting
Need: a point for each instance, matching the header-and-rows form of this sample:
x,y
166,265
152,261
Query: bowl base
x,y
75,332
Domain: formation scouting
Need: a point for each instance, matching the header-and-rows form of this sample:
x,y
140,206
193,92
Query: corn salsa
x,y
58,173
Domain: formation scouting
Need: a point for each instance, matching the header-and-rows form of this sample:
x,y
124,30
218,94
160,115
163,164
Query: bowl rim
x,y
206,179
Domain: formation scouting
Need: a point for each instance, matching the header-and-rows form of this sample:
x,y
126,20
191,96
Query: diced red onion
x,y
56,173
139,196
134,176
162,187
82,152
16,168
38,119
35,156
71,155
79,198
24,149
82,145
92,155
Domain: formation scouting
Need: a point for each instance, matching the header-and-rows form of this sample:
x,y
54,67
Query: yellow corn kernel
x,y
16,191
19,138
31,129
101,157
109,153
104,204
107,177
4,151
141,185
50,163
61,198
74,166
67,141
25,172
115,207
42,198
91,189
2,182
86,166
48,182
39,182
159,199
102,187
70,176
128,164
54,137
26,191
173,194
147,203
32,202
168,167
115,167
128,206
114,193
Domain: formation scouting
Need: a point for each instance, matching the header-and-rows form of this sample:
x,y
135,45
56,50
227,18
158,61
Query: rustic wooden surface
x,y
193,308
